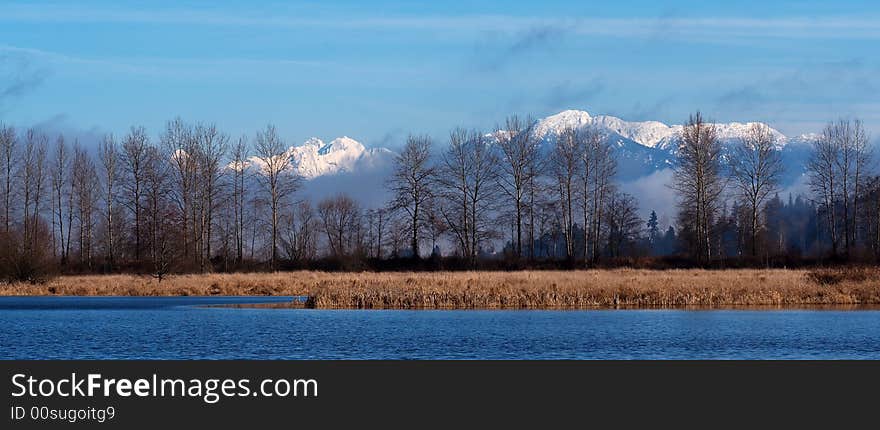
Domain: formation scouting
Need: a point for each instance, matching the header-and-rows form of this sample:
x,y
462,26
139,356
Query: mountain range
x,y
646,147
642,148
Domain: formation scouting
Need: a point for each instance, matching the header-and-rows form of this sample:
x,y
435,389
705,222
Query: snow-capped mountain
x,y
644,147
314,158
652,134
635,143
341,165
645,152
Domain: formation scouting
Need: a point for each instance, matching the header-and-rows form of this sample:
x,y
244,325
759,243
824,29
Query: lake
x,y
184,328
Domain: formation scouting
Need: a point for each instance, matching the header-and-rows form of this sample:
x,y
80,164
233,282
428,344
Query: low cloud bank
x,y
654,193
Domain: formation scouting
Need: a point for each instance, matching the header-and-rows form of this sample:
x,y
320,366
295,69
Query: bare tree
x,y
85,188
396,237
866,166
411,185
377,224
276,177
467,181
837,170
300,242
108,152
435,225
597,172
7,152
566,163
824,180
179,141
61,194
538,193
163,253
212,145
340,218
518,161
841,134
699,181
32,176
624,224
134,156
452,178
872,213
239,168
857,158
25,247
756,166
156,204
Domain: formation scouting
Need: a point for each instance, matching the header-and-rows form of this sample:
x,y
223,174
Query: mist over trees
x,y
194,199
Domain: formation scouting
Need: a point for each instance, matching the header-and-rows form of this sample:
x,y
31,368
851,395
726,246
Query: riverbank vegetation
x,y
574,289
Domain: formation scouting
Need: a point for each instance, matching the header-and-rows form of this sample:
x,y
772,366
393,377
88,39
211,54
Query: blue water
x,y
180,328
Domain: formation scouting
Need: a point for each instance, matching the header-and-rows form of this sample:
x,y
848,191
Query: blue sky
x,y
376,71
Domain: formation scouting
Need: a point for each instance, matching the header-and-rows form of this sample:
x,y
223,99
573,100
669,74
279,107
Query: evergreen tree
x,y
653,228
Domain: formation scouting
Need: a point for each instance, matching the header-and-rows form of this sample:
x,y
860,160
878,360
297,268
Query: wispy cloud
x,y
18,75
534,37
390,139
61,124
802,98
568,94
833,27
649,110
847,81
497,50
146,66
745,97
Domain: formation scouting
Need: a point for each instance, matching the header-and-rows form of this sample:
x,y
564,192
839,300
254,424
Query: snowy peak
x,y
314,141
803,139
643,147
555,124
736,130
340,145
651,134
314,158
647,133
727,133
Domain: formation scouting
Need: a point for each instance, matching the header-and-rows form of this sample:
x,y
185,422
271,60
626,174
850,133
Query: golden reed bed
x,y
501,290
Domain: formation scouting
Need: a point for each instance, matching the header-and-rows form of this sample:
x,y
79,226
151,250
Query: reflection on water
x,y
184,328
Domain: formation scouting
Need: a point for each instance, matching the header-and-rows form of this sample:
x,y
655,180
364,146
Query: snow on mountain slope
x,y
652,134
644,147
647,133
645,152
727,133
553,125
314,158
633,142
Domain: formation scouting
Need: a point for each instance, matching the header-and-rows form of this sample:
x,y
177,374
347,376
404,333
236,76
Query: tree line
x,y
196,199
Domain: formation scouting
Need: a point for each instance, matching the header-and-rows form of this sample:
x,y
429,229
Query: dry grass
x,y
502,290
243,284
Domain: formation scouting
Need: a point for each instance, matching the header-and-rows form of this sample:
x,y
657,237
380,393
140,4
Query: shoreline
x,y
722,307
579,289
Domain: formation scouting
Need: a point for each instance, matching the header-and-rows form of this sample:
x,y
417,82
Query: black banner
x,y
244,394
